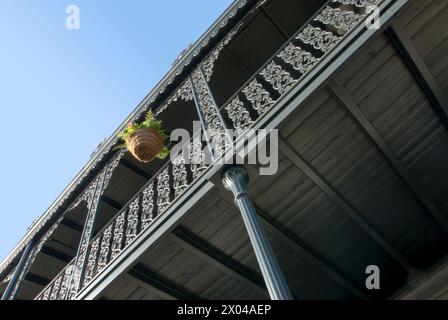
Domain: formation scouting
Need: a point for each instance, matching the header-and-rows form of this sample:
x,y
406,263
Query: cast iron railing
x,y
287,67
294,60
58,288
152,201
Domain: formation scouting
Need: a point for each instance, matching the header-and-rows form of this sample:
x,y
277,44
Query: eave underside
x,y
361,181
340,200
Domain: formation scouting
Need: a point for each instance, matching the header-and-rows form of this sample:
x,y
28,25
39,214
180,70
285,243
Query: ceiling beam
x,y
56,254
417,66
206,252
148,279
110,202
288,151
422,196
305,251
275,23
132,167
237,62
39,280
72,225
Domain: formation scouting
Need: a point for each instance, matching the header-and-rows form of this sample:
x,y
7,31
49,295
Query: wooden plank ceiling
x,y
361,181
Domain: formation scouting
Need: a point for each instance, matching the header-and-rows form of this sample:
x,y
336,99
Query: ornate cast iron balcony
x,y
147,206
287,68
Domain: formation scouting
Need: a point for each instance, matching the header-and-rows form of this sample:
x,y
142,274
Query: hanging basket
x,y
145,144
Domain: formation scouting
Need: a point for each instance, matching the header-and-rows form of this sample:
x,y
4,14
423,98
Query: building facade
x,y
354,93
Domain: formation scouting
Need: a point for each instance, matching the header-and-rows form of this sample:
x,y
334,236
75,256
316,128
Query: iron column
x,y
19,269
235,179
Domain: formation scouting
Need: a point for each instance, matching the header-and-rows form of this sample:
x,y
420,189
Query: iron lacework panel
x,y
59,287
151,202
297,57
159,193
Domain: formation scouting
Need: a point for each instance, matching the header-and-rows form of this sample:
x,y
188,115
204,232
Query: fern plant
x,y
150,122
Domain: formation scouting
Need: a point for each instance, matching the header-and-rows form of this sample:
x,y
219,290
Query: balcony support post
x,y
9,292
93,196
215,128
235,179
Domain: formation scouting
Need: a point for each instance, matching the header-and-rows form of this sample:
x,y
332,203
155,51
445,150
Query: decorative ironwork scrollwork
x,y
318,38
148,205
261,99
131,229
280,79
215,127
298,58
209,63
91,262
179,175
239,115
197,156
55,290
118,235
359,3
341,19
183,93
163,190
65,282
105,248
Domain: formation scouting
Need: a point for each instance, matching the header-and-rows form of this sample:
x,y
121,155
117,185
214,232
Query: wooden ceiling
x,y
361,180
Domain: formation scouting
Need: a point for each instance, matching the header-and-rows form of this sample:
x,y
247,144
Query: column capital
x,y
235,179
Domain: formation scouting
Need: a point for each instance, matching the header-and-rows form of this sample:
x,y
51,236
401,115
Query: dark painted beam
x,y
421,195
417,66
237,63
288,151
72,225
56,254
159,285
135,169
305,251
114,204
203,250
275,23
39,280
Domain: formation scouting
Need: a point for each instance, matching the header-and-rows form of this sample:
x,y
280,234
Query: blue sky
x,y
62,92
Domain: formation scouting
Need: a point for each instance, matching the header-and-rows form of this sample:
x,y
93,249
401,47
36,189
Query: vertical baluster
x,y
65,281
239,116
132,225
163,190
259,98
73,288
280,79
319,39
301,60
197,158
56,287
179,175
91,263
342,20
148,205
46,294
103,259
118,234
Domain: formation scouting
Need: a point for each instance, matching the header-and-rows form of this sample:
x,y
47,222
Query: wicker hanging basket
x,y
145,144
